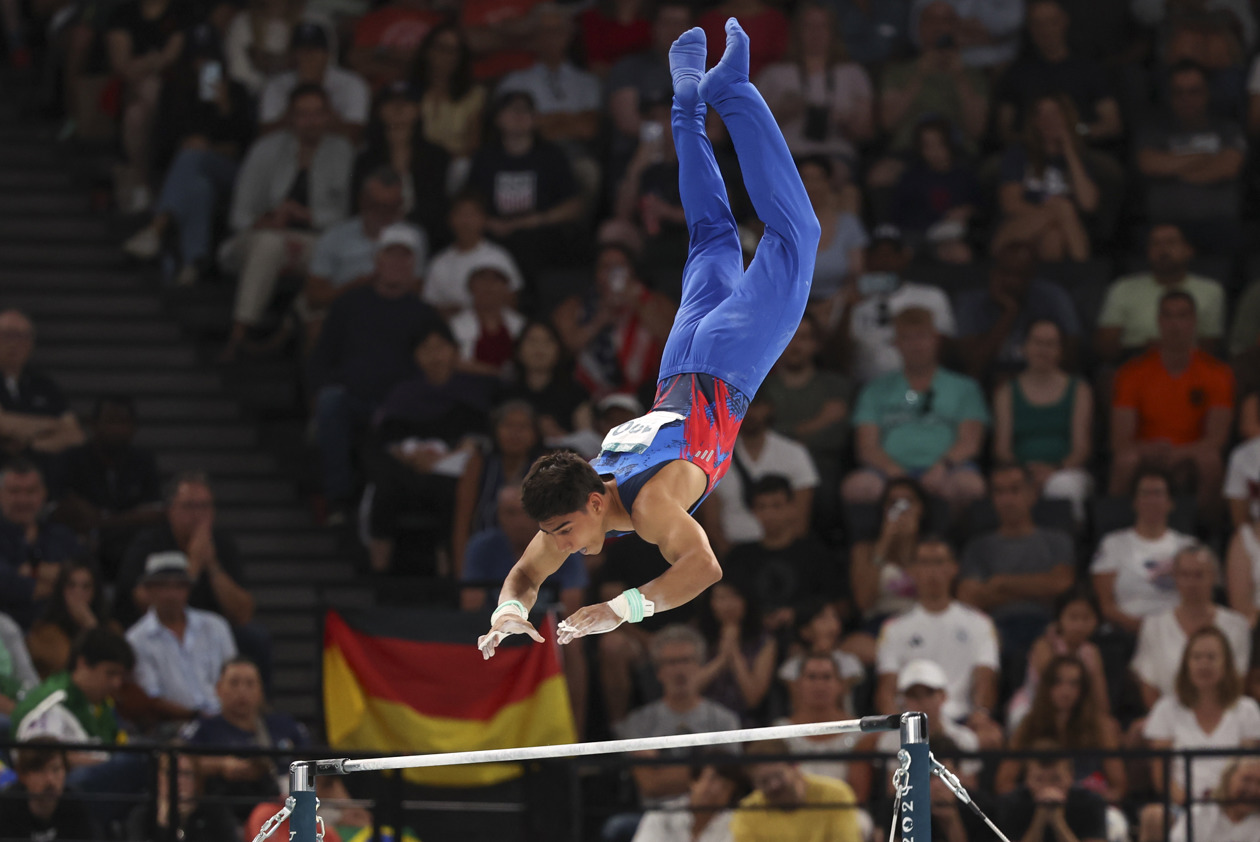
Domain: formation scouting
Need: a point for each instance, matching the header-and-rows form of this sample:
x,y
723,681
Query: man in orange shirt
x,y
1172,409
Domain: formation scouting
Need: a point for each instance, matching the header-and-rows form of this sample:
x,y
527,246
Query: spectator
x,y
533,198
821,100
1242,570
640,79
937,195
1043,419
935,82
214,562
960,639
1242,476
818,695
1244,333
839,258
1234,815
1132,569
344,256
988,33
1207,688
702,815
543,378
811,405
1211,41
35,808
1129,320
993,323
789,805
446,282
678,653
1052,67
17,674
566,99
1050,806
738,675
256,42
143,40
770,24
32,549
111,489
878,567
395,140
34,414
1173,408
612,30
243,721
75,606
515,442
314,65
1162,637
294,183
759,452
499,35
866,336
180,651
207,123
1017,572
1046,187
387,39
196,821
488,329
364,351
1065,712
452,106
423,428
617,330
492,552
784,567
1076,619
923,421
1190,160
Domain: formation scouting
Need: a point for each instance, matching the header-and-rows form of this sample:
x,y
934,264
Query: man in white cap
x,y
180,651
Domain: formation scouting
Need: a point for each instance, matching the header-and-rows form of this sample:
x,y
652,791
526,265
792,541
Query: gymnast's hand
x,y
507,624
593,619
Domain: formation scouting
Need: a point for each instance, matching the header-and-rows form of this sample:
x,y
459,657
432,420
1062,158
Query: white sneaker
x,y
144,244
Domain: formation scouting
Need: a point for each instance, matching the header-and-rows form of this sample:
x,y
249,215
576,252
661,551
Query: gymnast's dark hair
x,y
558,484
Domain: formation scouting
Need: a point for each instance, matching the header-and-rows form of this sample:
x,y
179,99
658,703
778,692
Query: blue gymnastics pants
x,y
734,323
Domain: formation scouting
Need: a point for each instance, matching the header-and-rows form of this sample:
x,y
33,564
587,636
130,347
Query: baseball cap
x,y
621,401
399,234
922,672
309,34
169,566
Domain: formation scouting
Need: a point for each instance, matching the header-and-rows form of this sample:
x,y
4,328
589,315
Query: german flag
x,y
413,682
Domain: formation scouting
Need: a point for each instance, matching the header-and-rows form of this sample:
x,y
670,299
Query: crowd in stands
x,y
1006,472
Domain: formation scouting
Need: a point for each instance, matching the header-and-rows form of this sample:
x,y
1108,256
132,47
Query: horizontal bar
x,y
515,755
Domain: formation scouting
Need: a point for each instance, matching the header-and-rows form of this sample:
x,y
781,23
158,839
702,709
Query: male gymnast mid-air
x,y
731,327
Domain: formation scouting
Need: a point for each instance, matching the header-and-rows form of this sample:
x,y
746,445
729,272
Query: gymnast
x,y
732,325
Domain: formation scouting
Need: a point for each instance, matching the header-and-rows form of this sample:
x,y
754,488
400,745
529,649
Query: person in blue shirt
x,y
732,325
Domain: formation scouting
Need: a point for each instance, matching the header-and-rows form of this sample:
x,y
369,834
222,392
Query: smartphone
x,y
618,277
897,509
208,81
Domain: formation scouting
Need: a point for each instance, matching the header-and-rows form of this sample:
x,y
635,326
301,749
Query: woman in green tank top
x,y
1042,419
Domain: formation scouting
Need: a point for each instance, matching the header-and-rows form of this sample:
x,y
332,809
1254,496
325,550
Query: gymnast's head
x,y
568,499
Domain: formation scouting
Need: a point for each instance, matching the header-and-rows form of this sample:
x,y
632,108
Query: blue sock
x,y
732,68
686,66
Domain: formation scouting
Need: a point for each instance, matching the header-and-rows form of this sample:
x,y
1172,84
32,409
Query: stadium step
x,y
200,436
114,356
138,383
218,463
259,518
53,330
38,305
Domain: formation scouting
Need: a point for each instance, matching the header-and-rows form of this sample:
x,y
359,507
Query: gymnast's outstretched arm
x,y
540,560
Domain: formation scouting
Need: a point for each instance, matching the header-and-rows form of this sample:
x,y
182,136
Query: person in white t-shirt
x,y
1242,483
1132,569
1235,819
759,452
349,96
1208,690
446,284
865,322
962,640
1162,638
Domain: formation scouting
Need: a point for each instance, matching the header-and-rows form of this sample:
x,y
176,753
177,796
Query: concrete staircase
x,y
106,326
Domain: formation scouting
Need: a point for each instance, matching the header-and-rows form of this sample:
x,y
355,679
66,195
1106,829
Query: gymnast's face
x,y
581,531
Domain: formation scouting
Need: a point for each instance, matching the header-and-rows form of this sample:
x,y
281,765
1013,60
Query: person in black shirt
x,y
34,808
532,195
112,489
34,415
1049,803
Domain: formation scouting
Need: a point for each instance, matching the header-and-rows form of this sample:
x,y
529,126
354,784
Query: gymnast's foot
x,y
686,66
732,68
